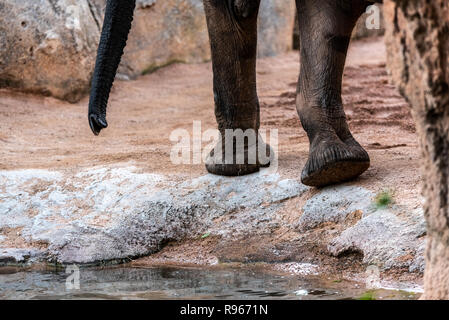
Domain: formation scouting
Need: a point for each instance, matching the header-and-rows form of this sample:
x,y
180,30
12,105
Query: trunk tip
x,y
97,123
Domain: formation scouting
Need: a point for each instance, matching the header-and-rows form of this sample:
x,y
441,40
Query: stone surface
x,y
276,24
418,46
49,47
386,238
19,256
117,213
163,32
335,204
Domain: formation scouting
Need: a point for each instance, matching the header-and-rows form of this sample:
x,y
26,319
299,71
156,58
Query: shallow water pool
x,y
179,283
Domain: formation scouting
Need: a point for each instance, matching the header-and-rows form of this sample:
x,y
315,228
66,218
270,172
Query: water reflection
x,y
177,283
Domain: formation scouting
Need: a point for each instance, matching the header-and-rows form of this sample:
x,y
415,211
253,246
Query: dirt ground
x,y
42,132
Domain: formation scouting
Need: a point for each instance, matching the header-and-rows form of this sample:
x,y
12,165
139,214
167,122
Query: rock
x,y
335,204
107,214
395,63
117,213
163,32
386,238
19,256
276,24
300,269
142,4
418,46
409,41
419,262
49,47
371,23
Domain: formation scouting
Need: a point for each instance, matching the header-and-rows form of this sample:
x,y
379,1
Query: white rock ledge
x,y
117,213
104,214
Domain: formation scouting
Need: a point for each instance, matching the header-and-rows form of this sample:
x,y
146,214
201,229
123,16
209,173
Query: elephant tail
x,y
116,27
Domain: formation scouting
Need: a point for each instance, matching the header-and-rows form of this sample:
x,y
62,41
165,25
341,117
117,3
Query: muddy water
x,y
179,283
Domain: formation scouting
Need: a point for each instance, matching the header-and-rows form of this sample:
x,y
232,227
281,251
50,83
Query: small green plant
x,y
384,199
369,295
337,281
206,235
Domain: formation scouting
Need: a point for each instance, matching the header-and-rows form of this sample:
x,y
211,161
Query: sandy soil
x,y
41,132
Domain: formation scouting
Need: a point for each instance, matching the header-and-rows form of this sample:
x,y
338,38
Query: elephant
x,y
325,32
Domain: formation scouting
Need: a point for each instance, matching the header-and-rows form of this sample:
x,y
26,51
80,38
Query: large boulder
x,y
276,24
163,32
49,47
417,38
127,213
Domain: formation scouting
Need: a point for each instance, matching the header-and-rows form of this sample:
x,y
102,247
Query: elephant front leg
x,y
232,26
325,31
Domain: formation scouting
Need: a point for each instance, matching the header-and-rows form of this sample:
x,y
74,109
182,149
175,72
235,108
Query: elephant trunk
x,y
117,23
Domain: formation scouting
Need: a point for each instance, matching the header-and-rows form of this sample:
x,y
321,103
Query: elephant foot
x,y
334,161
243,161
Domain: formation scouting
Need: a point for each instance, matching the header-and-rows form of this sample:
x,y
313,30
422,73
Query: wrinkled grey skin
x,y
325,30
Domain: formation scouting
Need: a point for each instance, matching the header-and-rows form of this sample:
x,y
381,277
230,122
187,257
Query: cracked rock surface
x,y
110,214
117,213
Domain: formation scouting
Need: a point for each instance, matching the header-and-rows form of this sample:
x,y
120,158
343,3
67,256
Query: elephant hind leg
x,y
325,31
